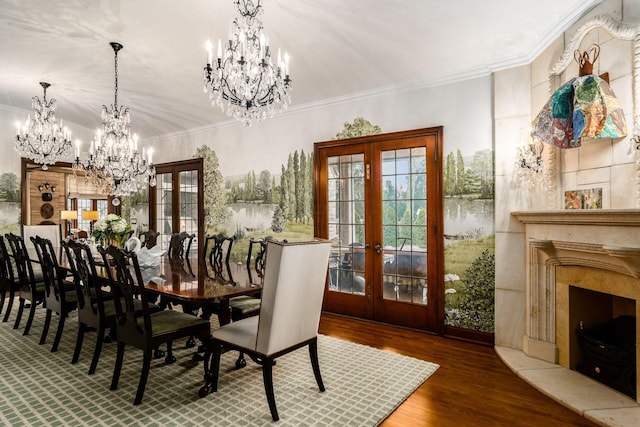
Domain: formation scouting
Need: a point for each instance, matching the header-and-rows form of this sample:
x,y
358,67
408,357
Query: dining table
x,y
190,283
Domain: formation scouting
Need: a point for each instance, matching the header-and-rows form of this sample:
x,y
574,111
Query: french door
x,y
379,200
176,203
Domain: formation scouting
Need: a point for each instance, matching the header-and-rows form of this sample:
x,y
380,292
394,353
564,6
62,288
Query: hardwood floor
x,y
473,387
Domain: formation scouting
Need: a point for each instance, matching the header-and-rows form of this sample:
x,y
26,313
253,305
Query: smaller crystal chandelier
x,y
245,84
114,164
42,139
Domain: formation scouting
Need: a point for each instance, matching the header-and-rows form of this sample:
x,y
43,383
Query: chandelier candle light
x,y
242,81
42,139
114,163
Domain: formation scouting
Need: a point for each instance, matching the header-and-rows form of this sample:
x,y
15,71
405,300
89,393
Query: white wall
x,y
463,108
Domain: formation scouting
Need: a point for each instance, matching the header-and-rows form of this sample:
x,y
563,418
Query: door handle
x,y
378,249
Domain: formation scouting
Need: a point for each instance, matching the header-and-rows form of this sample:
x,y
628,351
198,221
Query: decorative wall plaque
x,y
46,210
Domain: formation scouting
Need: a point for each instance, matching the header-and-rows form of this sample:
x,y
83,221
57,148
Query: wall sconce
x,y
68,216
90,216
529,165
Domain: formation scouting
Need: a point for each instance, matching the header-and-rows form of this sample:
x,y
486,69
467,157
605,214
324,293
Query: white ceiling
x,y
338,48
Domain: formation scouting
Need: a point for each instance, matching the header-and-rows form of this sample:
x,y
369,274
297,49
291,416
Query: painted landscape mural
x,y
259,204
469,239
274,202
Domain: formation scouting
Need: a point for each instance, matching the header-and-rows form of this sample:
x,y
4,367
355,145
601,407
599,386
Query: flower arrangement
x,y
112,230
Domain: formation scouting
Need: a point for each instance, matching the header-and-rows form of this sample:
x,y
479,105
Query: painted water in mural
x,y
467,218
251,216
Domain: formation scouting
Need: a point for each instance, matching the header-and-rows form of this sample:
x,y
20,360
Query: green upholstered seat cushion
x,y
245,304
167,321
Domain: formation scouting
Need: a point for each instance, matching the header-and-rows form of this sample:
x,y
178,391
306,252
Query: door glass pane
x,y
346,223
84,205
404,232
189,205
164,190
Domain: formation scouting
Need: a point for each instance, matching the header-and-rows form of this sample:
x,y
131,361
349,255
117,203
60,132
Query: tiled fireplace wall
x,y
519,94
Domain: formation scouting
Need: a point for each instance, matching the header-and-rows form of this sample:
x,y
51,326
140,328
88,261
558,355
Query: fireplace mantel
x,y
604,241
599,217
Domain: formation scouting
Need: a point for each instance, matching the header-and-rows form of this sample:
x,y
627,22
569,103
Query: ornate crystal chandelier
x,y
42,139
245,84
114,164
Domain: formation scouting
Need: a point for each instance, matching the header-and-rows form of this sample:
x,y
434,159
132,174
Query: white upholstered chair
x,y
294,281
50,232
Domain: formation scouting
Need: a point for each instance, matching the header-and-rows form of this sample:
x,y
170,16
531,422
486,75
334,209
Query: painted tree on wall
x,y
461,187
9,187
477,179
216,213
359,127
483,164
295,203
263,187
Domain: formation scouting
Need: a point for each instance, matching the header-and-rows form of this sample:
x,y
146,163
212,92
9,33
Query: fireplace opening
x,y
603,346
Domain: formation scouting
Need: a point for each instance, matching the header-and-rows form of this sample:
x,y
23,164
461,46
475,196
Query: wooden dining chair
x,y
9,284
96,310
81,234
146,330
31,281
148,238
293,289
217,250
176,245
57,298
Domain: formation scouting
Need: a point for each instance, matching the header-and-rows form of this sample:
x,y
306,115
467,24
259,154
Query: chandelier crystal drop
x,y
42,139
243,81
114,164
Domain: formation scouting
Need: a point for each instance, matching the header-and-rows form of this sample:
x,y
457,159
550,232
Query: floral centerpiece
x,y
112,230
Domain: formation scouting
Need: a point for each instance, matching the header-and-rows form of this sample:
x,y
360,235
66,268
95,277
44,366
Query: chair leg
x,y
79,340
97,350
241,362
267,377
45,329
118,366
16,324
3,295
58,337
146,365
9,306
211,369
32,313
313,355
170,357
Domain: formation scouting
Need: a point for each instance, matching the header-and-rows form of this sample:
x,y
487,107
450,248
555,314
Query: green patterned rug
x,y
39,388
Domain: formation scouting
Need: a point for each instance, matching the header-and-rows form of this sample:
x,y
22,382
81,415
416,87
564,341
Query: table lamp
x,y
68,216
90,216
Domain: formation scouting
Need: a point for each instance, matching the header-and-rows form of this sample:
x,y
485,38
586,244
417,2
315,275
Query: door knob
x,y
378,249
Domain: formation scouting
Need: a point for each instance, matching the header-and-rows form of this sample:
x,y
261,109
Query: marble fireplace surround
x,y
597,250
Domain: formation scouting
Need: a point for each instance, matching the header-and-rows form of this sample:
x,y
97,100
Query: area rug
x,y
39,388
